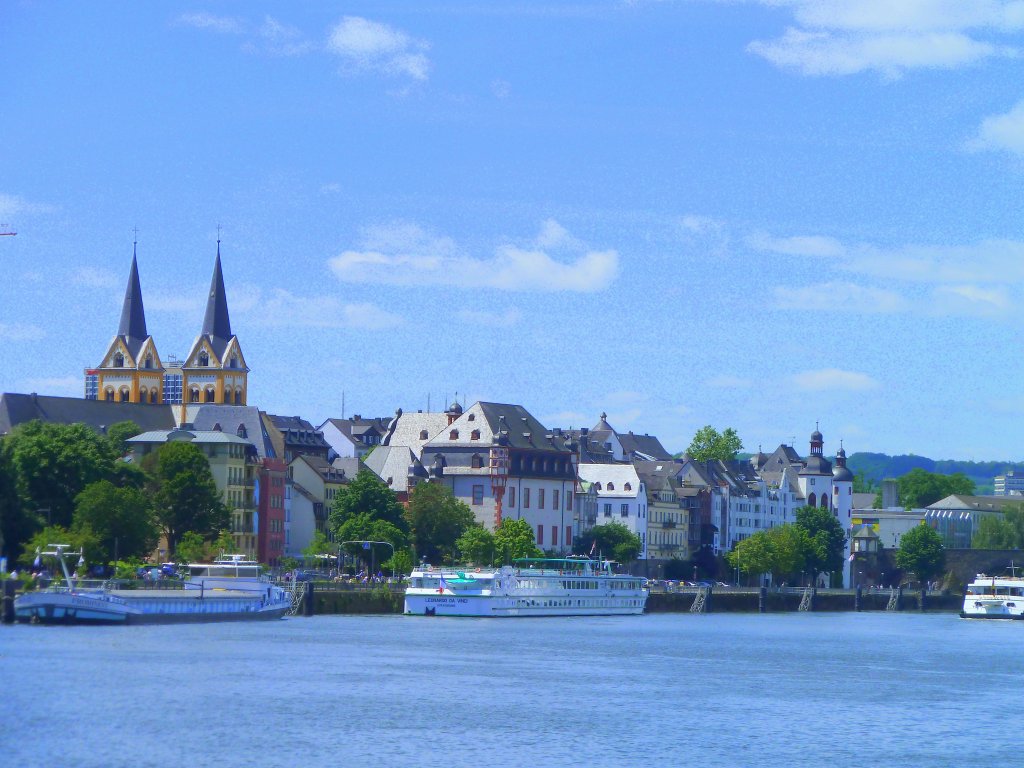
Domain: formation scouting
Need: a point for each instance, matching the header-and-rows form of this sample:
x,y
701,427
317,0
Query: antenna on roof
x,y
343,403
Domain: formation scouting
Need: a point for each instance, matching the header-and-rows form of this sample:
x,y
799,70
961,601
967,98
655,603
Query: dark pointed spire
x,y
217,323
133,314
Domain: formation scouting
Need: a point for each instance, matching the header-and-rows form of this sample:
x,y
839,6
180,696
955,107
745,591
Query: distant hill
x,y
879,466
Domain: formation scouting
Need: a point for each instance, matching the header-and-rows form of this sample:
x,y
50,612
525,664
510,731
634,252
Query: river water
x,y
846,689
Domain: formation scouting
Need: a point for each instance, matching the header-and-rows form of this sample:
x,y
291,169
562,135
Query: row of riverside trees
x,y
816,542
438,528
65,483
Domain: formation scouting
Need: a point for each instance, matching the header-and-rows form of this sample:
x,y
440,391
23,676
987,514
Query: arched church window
x,y
149,361
227,396
204,359
209,395
238,397
193,395
108,394
824,501
124,395
143,394
812,500
152,396
118,360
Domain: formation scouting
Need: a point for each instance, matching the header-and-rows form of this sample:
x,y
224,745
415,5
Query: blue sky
x,y
753,214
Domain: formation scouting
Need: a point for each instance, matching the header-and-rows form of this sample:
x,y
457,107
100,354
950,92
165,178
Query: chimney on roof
x,y
357,417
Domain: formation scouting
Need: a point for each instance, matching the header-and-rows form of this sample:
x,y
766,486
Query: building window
x,y
554,499
512,496
152,397
526,498
118,360
476,462
607,510
193,395
238,397
124,395
478,495
628,487
540,535
611,486
568,535
471,417
424,435
568,500
209,395
624,510
540,498
812,500
554,535
204,359
453,435
474,435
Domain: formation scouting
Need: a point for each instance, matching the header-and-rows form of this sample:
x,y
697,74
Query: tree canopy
x,y
710,445
781,551
921,552
1001,531
514,539
436,521
476,545
613,541
826,539
367,494
185,497
121,520
365,527
919,488
118,435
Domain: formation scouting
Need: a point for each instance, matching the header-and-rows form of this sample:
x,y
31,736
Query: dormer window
x,y
628,486
597,486
149,361
118,360
424,435
204,359
471,417
611,486
474,435
233,362
453,435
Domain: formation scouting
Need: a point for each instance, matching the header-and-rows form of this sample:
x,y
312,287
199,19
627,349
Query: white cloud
x,y
369,45
726,381
404,254
1001,132
283,308
505,319
839,37
699,225
801,245
554,235
840,297
91,277
971,299
280,39
20,332
223,24
833,379
12,205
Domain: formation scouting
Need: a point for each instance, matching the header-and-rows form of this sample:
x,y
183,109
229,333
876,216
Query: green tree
x,y
754,555
364,527
436,521
710,445
82,540
16,525
790,545
863,484
191,548
826,540
224,544
476,545
1005,531
613,540
921,552
121,520
367,494
400,563
919,488
54,463
514,539
318,546
119,434
185,497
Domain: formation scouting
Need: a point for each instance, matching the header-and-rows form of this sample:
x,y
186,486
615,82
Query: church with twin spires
x,y
132,370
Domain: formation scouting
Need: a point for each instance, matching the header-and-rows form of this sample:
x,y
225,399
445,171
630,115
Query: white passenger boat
x,y
228,589
528,587
994,597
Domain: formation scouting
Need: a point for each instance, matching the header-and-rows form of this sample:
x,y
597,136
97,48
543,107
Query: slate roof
x,y
204,436
405,429
617,474
647,445
132,328
513,423
392,462
216,322
230,418
17,408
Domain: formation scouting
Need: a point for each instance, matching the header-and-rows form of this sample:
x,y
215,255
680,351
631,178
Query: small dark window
x,y
454,435
118,360
628,486
474,435
204,359
424,435
611,486
476,462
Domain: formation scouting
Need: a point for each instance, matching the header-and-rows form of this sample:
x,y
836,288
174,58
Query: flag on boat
x,y
443,587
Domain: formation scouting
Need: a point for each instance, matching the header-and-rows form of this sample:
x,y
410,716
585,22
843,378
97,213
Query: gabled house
x,y
353,437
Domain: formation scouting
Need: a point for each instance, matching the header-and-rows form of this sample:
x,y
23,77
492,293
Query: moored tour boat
x,y
994,597
528,587
228,589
